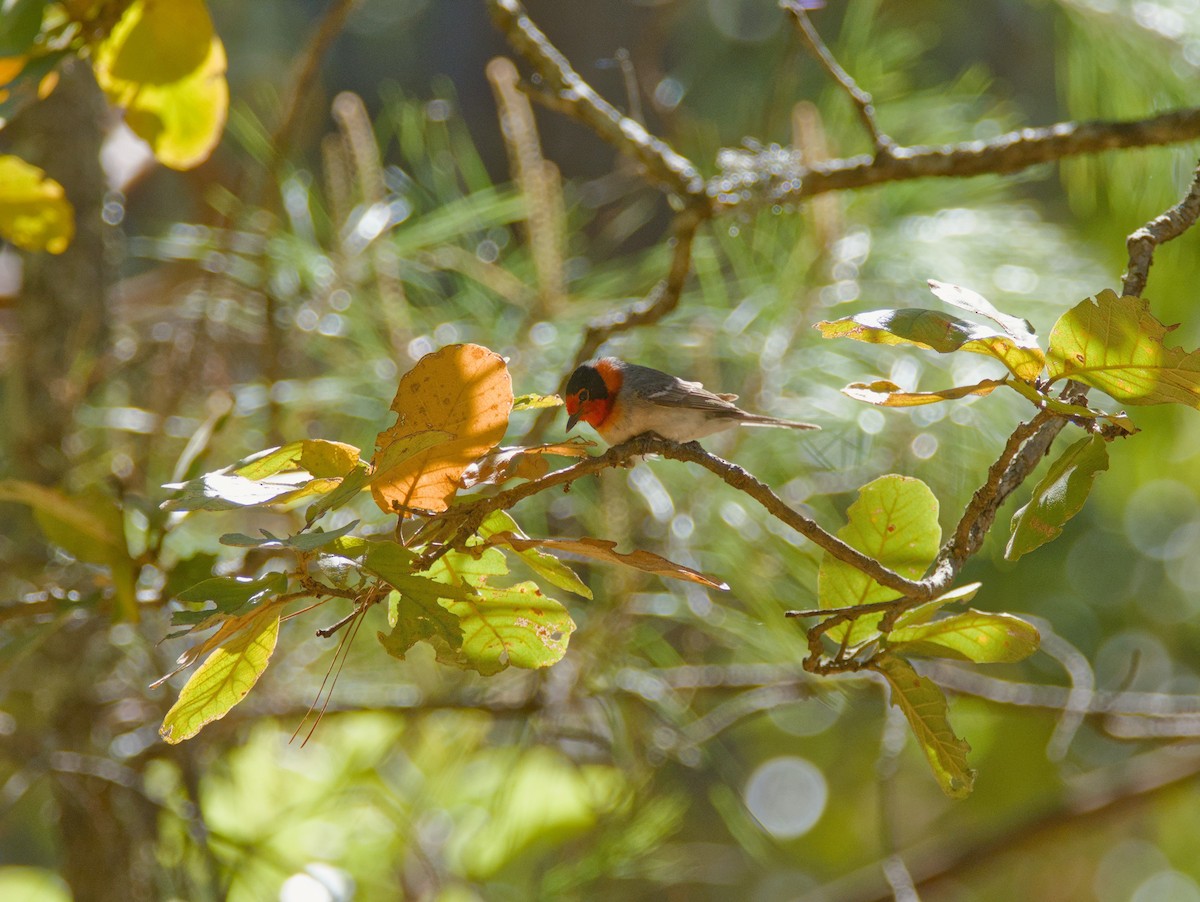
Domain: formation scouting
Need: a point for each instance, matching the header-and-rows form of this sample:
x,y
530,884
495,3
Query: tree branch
x,y
1161,229
860,98
660,160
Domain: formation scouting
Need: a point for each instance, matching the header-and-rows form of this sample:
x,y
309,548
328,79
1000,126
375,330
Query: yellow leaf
x,y
164,65
34,211
462,390
227,676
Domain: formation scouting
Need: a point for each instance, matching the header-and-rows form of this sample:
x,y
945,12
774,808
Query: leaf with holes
x,y
936,331
1116,345
927,712
895,521
1058,497
462,390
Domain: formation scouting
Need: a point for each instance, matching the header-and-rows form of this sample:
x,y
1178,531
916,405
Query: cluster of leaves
x,y
159,62
1109,343
444,586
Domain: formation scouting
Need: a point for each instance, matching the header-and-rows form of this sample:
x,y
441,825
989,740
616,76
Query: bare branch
x,y
1007,153
860,98
660,160
1159,230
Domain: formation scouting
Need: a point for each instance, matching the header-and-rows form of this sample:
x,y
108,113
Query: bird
x,y
621,400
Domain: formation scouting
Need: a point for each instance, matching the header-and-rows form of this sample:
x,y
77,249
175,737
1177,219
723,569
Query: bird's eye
x,y
584,395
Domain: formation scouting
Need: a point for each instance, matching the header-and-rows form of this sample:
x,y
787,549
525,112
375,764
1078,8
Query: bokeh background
x,y
679,751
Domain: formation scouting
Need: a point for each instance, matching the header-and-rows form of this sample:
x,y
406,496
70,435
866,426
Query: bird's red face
x,y
592,394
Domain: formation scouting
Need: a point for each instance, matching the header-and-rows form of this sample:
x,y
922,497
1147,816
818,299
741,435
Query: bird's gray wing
x,y
663,388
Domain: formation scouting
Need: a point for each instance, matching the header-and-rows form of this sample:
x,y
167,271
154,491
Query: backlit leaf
x,y
462,390
535,402
927,713
895,521
165,66
1020,330
1116,345
226,677
936,331
420,618
1058,497
34,212
888,394
605,550
976,636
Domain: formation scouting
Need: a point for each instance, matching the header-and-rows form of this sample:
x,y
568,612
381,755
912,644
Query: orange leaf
x,y
605,550
462,390
503,464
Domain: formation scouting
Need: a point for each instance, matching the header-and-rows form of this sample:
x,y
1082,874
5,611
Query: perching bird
x,y
620,400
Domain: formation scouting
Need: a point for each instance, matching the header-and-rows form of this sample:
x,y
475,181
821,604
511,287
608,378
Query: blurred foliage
x,y
678,749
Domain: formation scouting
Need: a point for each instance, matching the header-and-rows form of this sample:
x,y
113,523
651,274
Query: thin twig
x,y
860,98
660,160
1169,225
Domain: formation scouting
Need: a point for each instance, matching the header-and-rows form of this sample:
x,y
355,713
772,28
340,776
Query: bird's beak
x,y
572,420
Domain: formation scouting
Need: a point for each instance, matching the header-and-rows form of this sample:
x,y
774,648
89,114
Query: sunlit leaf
x,y
224,491
420,618
317,457
888,394
927,713
502,464
895,521
462,390
226,677
923,613
545,565
34,212
976,636
936,331
502,626
1058,497
605,550
1020,330
535,402
347,490
1116,345
165,66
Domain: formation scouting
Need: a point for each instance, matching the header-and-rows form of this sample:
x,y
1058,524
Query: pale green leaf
x,y
1058,497
547,566
888,394
976,636
895,521
1117,345
925,708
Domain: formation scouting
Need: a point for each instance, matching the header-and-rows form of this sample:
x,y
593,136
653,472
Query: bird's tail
x,y
753,419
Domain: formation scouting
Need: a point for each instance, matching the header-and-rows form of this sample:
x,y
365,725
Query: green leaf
x,y
1058,497
975,636
936,331
393,564
229,595
1116,345
20,22
545,565
34,211
421,618
224,491
302,542
536,402
923,613
895,521
90,526
226,677
888,394
317,457
165,66
348,489
927,712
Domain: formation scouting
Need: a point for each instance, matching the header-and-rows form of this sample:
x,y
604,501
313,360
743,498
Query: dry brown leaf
x,y
503,464
462,390
605,550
